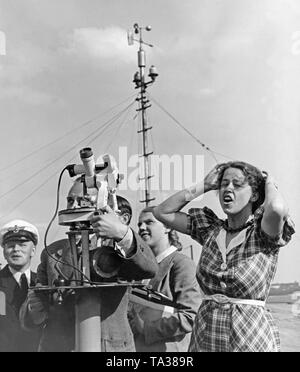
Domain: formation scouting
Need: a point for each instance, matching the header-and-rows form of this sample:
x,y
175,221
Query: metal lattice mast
x,y
142,85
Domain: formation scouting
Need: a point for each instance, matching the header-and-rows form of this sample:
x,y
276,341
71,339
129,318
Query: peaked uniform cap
x,y
18,230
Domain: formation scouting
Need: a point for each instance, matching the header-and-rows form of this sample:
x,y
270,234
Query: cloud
x,y
23,66
206,92
109,44
2,43
28,95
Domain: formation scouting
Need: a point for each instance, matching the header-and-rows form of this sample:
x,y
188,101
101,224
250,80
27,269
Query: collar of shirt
x,y
159,258
165,253
17,274
124,246
236,241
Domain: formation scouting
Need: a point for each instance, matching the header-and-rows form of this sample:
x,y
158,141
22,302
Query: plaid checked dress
x,y
251,262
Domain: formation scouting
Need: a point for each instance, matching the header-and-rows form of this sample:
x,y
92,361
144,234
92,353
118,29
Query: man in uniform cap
x,y
19,240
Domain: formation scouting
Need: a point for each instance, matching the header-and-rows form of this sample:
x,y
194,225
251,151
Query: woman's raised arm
x,y
275,209
168,212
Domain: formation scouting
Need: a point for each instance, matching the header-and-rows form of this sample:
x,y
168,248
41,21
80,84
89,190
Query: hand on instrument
x,y
107,224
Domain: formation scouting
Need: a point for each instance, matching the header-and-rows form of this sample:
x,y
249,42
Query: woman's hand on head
x,y
265,175
211,181
269,179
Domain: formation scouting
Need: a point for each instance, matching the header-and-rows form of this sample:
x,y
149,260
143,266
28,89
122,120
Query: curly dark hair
x,y
253,175
172,234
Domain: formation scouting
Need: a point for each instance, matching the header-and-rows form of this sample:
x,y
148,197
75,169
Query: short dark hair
x,y
124,206
253,175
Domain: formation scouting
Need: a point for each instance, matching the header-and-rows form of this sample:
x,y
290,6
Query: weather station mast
x,y
140,83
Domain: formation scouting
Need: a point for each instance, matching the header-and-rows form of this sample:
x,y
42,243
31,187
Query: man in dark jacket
x,y
135,262
18,239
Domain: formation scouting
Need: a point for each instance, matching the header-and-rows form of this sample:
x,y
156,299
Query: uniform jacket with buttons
x,y
12,337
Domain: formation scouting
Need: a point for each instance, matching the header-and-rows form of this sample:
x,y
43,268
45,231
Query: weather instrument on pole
x,y
140,82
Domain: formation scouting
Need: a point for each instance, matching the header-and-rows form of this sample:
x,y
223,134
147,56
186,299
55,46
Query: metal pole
x,y
85,256
87,308
145,128
88,321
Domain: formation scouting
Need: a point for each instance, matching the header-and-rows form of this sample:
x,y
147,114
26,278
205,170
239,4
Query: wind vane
x,y
141,84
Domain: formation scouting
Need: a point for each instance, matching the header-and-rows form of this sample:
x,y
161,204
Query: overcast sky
x,y
229,72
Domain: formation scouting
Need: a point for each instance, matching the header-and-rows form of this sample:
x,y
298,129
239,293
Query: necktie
x,y
24,285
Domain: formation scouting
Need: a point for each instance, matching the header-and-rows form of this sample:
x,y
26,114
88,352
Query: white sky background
x,y
229,72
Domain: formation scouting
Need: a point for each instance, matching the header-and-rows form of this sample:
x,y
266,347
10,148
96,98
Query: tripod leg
x,y
72,239
85,255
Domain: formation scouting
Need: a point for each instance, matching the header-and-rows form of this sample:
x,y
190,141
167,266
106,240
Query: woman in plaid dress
x,y
239,256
